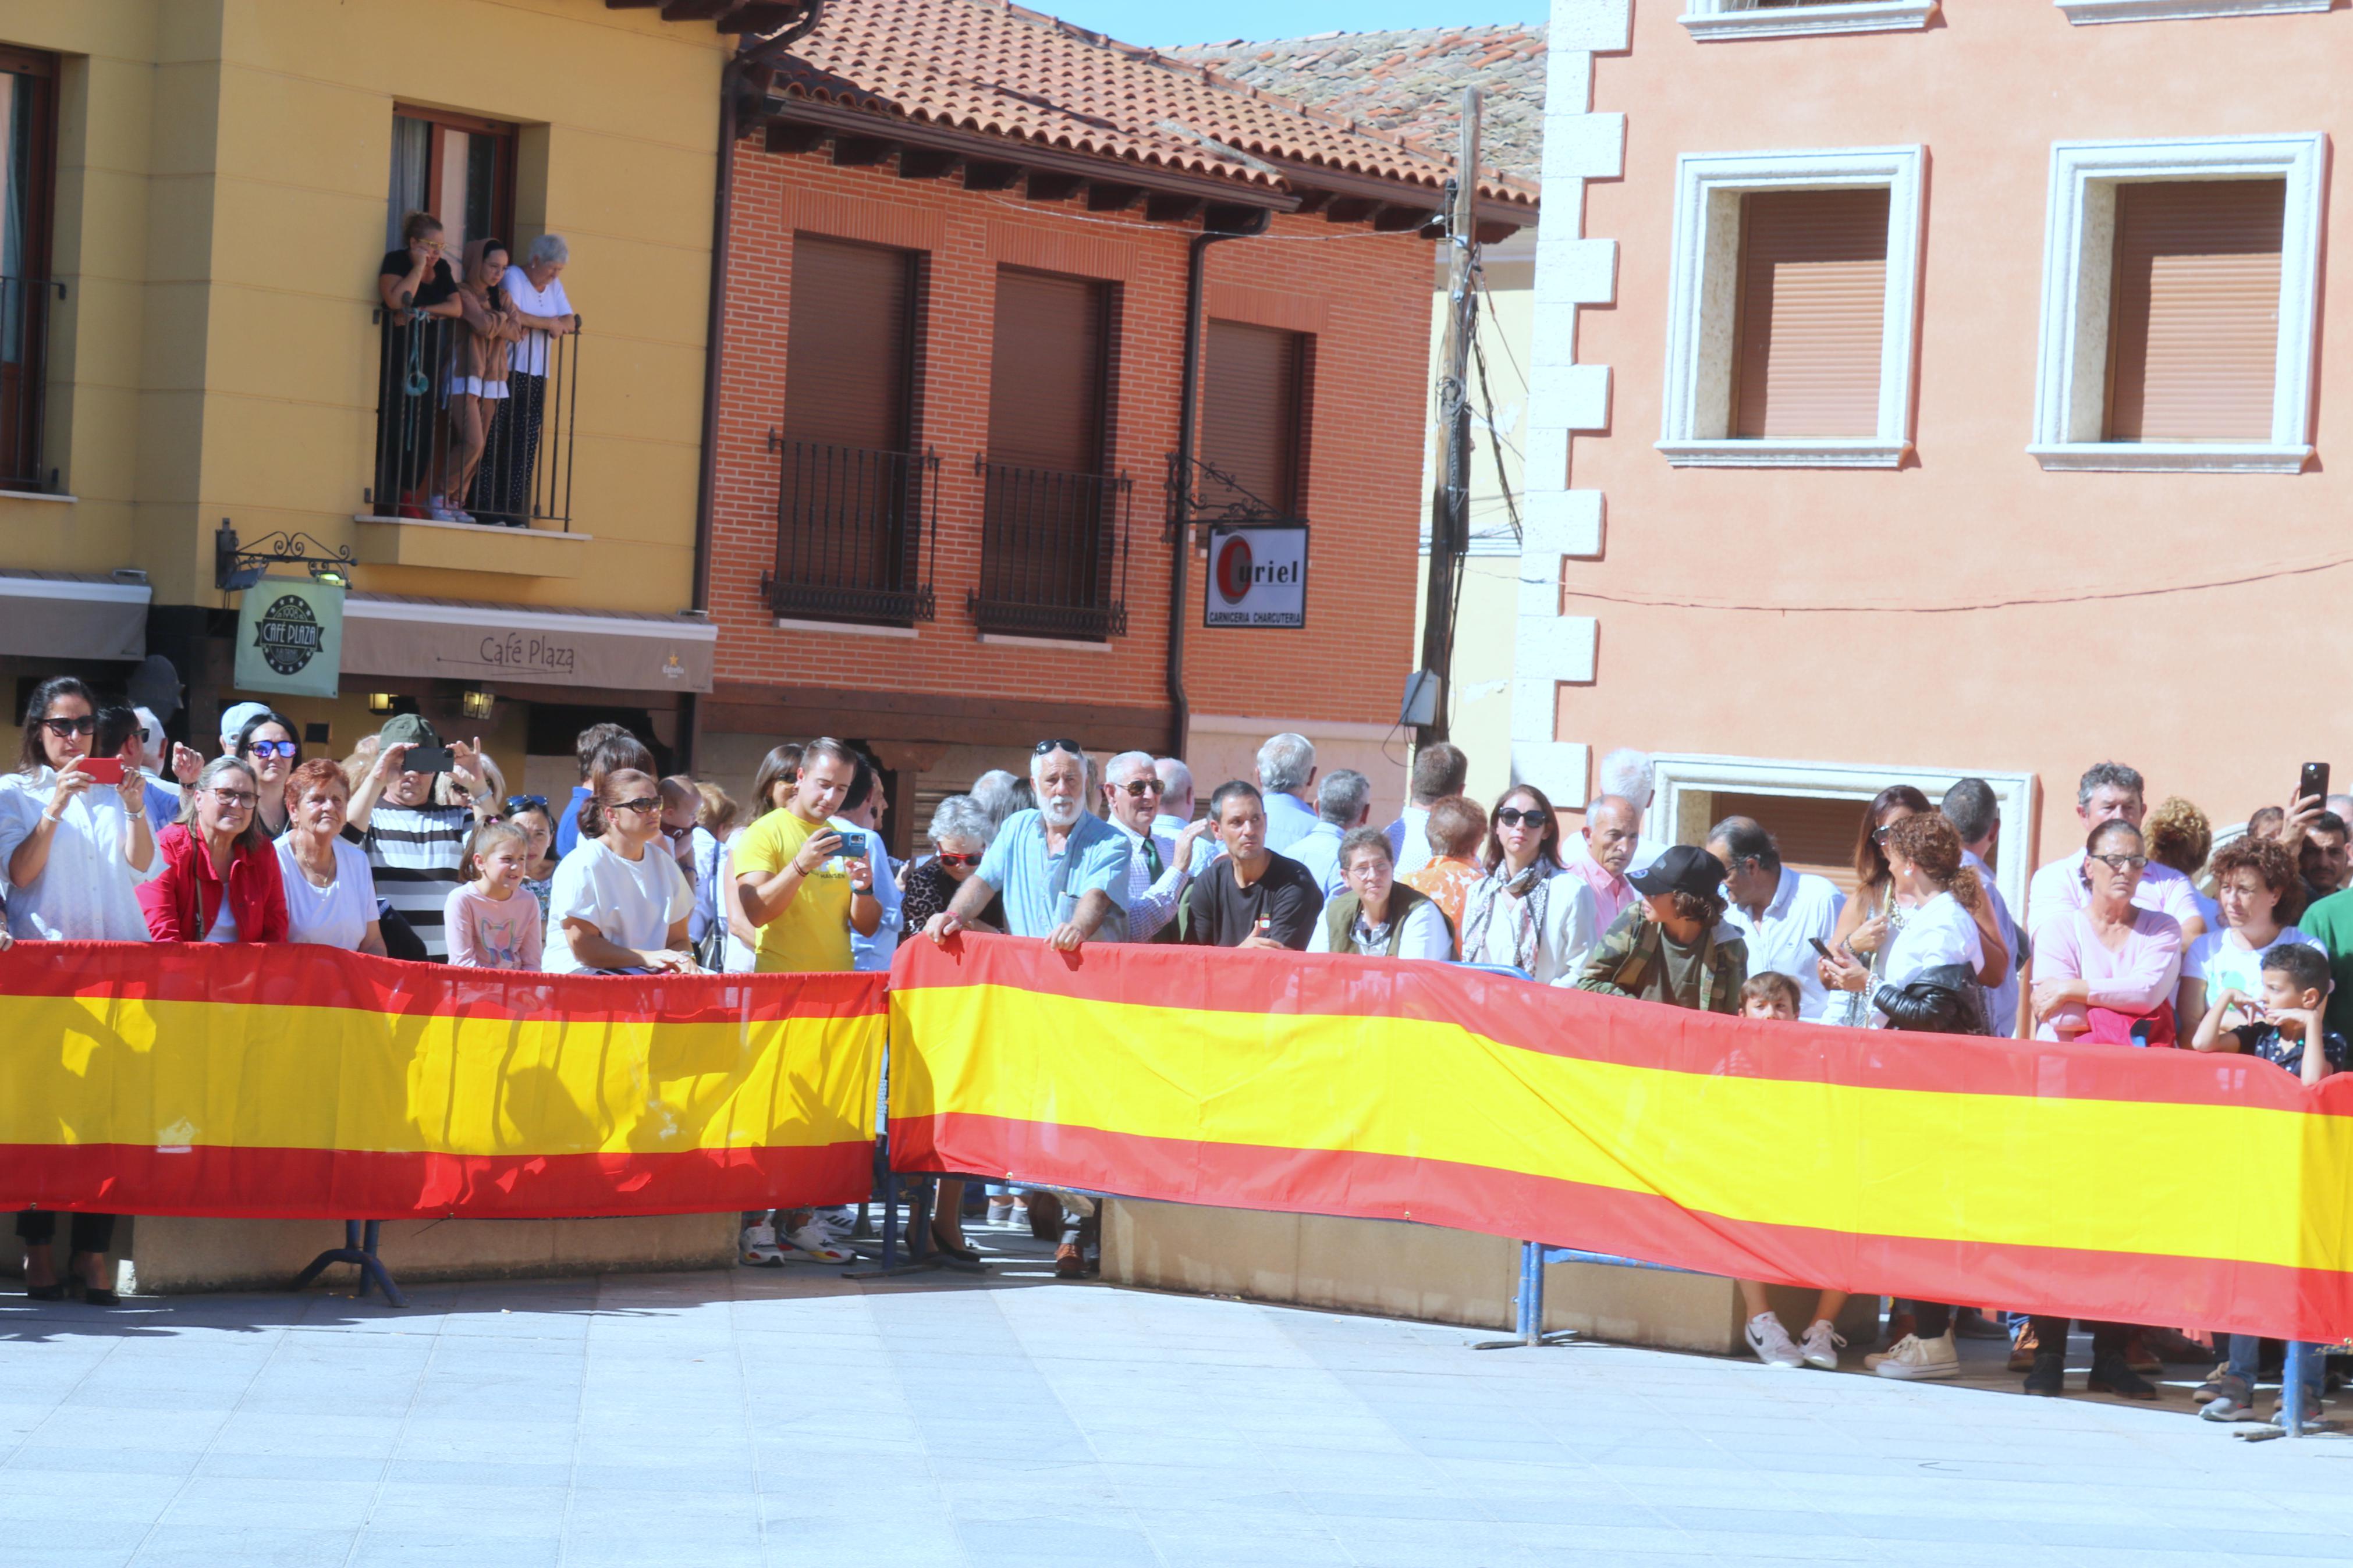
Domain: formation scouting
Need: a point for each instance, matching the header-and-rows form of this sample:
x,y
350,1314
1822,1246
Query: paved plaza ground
x,y
789,1416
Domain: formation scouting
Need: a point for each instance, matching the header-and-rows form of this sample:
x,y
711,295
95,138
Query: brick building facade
x,y
939,700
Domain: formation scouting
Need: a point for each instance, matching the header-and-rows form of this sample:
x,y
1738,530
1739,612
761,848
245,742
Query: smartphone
x,y
851,849
426,759
1828,957
102,770
2313,783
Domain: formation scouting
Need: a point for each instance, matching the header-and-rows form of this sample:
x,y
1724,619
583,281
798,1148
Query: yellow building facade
x,y
199,193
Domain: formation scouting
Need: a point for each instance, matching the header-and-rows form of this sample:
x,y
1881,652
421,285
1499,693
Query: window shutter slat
x,y
1812,296
1250,413
1046,374
2194,343
847,348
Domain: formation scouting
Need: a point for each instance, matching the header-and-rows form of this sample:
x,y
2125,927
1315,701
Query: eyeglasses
x,y
1045,748
1513,817
643,802
236,797
518,804
2121,862
85,725
948,859
272,747
1140,787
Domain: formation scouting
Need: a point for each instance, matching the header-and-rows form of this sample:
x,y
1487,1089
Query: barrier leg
x,y
1528,1317
359,1251
918,1258
2292,1377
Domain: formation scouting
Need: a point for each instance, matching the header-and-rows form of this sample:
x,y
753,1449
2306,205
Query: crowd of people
x,y
2149,935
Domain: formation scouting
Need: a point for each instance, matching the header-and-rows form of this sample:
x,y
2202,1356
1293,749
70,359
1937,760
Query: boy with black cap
x,y
417,848
1673,946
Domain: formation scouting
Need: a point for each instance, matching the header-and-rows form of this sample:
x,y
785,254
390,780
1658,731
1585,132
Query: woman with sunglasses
x,y
220,881
1868,925
960,833
266,743
1527,912
75,851
619,904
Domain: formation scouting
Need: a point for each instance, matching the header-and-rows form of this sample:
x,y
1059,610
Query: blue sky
x,y
1159,23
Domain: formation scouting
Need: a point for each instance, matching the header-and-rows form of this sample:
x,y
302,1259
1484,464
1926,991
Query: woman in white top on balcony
x,y
534,291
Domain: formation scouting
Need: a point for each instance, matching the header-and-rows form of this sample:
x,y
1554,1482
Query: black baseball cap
x,y
1685,869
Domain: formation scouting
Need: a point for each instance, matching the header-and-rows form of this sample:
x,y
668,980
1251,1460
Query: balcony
x,y
1053,552
522,475
851,534
24,371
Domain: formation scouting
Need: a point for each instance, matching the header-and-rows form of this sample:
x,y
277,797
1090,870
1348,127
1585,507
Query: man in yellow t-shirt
x,y
792,880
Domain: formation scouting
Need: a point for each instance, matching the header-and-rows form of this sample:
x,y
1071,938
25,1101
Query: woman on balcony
x,y
477,374
419,295
534,292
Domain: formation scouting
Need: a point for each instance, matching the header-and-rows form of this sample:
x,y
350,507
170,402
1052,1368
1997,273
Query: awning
x,y
460,639
71,615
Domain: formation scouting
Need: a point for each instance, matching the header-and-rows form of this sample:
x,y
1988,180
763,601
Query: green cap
x,y
407,730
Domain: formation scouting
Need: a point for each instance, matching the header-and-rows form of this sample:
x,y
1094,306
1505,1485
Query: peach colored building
x,y
1926,391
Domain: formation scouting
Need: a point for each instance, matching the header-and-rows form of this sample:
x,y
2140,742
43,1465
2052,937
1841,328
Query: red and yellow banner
x,y
306,1082
2148,1186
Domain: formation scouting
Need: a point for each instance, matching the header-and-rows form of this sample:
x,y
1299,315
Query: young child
x,y
493,922
2284,1026
1775,998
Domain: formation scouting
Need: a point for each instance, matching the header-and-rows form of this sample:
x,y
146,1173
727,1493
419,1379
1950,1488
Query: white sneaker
x,y
459,514
1770,1341
1822,1345
1914,1358
757,1248
438,509
811,1241
1001,1212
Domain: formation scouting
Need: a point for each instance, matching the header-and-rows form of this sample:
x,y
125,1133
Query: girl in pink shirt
x,y
493,921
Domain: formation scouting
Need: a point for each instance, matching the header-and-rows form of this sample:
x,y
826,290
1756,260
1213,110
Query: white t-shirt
x,y
224,924
336,915
531,352
1425,935
740,960
633,902
2225,963
1937,933
1803,906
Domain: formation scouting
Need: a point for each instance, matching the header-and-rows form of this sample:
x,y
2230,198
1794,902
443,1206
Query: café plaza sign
x,y
450,640
1258,575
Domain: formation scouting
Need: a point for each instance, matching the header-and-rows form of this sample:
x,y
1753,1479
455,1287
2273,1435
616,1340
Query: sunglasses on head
x,y
85,725
1045,748
270,748
518,804
948,859
1513,816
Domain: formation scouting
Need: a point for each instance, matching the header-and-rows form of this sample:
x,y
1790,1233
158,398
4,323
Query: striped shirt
x,y
418,857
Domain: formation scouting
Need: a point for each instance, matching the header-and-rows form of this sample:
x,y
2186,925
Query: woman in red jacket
x,y
220,881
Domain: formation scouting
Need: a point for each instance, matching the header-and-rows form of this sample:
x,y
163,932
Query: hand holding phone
x,y
102,770
2312,784
426,759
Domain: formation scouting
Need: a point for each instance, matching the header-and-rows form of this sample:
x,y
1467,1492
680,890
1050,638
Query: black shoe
x,y
96,1297
46,1292
2111,1374
2050,1375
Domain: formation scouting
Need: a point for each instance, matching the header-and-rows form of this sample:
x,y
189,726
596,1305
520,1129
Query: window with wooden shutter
x,y
1812,835
1252,416
2194,339
1811,312
1045,373
849,348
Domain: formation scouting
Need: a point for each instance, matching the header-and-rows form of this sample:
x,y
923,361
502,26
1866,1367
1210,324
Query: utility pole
x,y
1449,508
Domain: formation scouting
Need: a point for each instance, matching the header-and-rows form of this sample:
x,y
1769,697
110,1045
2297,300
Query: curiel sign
x,y
1258,575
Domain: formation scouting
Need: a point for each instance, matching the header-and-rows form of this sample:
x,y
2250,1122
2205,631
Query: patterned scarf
x,y
1532,887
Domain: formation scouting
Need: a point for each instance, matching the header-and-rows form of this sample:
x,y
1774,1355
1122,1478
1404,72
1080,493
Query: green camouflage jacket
x,y
1626,962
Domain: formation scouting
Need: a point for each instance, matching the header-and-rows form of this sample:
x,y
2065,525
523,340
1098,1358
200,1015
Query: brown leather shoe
x,y
2022,1350
1069,1262
2138,1356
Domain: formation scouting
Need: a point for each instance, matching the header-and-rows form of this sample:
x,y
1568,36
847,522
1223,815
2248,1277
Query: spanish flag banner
x,y
307,1082
2147,1186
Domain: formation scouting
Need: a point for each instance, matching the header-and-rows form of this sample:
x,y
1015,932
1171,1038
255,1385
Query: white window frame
x,y
1712,19
2078,261
1703,292
1674,776
2084,11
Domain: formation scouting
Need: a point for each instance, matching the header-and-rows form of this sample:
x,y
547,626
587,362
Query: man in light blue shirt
x,y
1286,772
1342,801
1063,871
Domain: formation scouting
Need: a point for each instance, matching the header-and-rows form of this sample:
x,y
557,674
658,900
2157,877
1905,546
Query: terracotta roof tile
x,y
993,67
1405,82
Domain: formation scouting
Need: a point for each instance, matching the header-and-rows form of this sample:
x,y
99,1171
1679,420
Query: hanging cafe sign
x,y
289,637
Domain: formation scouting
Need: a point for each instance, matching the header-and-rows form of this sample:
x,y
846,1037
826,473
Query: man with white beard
x,y
1063,869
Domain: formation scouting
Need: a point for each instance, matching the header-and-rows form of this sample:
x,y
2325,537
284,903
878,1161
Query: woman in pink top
x,y
2110,954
